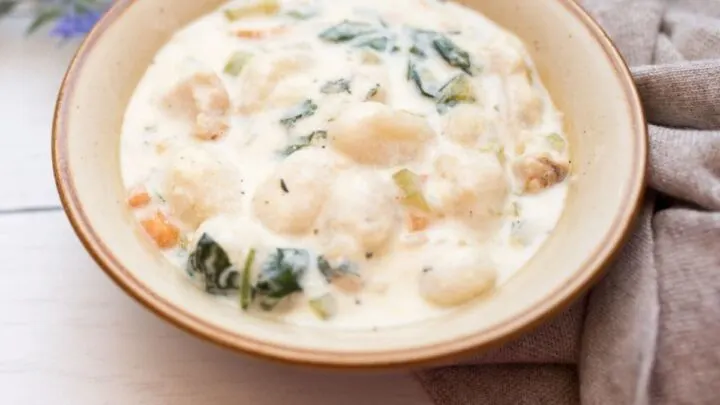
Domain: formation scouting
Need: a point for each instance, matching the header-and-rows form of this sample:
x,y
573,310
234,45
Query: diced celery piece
x,y
255,7
556,141
411,187
324,307
237,62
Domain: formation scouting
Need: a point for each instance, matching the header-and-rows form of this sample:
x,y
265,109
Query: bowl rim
x,y
557,299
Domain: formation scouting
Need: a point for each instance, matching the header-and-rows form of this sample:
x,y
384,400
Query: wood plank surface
x,y
68,335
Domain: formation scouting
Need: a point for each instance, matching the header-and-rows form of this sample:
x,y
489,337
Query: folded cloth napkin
x,y
649,332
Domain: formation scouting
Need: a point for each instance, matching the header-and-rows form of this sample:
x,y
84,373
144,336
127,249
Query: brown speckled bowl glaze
x,y
586,77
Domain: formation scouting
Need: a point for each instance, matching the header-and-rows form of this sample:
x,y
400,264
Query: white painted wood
x,y
30,74
68,335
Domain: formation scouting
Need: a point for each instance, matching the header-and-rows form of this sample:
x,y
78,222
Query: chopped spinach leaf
x,y
346,31
453,54
246,285
314,138
457,90
280,276
379,43
211,262
303,110
294,148
417,51
421,42
372,92
303,13
331,272
336,87
422,79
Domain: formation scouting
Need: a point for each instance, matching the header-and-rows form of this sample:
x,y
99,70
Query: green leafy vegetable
x,y
421,42
246,285
422,78
336,87
457,90
452,53
211,262
324,307
303,110
411,186
343,269
237,62
417,51
372,92
280,276
556,142
314,138
259,7
302,13
346,31
379,43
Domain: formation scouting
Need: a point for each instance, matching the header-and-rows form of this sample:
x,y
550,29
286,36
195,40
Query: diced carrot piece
x,y
165,234
250,34
418,222
259,34
138,198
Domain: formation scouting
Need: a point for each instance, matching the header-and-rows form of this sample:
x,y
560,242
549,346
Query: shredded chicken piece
x,y
540,172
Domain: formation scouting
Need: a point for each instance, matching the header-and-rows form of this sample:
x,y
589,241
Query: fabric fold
x,y
649,332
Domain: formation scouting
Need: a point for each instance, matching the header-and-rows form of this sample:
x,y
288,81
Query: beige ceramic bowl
x,y
588,81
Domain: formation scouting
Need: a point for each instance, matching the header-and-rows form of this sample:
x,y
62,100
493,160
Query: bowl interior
x,y
587,81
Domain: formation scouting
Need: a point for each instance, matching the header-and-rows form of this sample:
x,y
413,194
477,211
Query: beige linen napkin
x,y
649,332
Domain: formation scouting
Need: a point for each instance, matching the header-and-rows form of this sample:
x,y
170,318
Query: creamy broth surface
x,y
404,152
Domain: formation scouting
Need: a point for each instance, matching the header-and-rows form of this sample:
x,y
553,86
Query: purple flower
x,y
75,24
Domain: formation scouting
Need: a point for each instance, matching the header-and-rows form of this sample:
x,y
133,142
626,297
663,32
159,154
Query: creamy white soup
x,y
347,163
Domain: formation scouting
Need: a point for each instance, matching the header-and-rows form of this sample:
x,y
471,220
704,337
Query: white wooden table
x,y
68,335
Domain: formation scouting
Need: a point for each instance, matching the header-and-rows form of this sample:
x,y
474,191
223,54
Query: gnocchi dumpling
x,y
472,187
361,215
526,105
372,133
262,83
203,100
458,276
290,199
201,183
465,125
